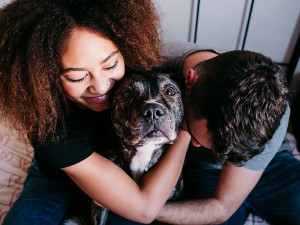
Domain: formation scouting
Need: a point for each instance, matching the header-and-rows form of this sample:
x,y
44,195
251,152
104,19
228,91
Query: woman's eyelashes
x,y
112,67
77,80
81,79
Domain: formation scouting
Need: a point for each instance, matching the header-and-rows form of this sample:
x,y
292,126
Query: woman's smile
x,y
97,99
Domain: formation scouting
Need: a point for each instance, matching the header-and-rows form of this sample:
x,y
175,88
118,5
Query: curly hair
x,y
33,37
243,95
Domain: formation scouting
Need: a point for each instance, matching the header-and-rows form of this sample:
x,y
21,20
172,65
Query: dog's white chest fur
x,y
141,159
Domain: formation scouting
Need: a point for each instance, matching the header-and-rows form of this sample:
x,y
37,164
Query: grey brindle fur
x,y
147,111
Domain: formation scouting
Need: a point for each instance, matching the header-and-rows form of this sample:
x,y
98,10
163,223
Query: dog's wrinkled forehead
x,y
148,81
145,84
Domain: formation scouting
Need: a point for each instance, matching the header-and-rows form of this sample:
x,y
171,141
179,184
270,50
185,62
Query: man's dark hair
x,y
243,96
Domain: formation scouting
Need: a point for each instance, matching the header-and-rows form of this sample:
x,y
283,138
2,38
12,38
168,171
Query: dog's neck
x,y
141,159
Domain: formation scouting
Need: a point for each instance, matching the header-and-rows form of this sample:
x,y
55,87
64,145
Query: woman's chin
x,y
94,107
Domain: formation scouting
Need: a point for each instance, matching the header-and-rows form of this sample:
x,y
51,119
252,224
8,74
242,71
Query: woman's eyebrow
x,y
83,69
108,57
72,69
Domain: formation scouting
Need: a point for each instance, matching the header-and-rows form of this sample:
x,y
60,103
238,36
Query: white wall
x,y
221,23
177,18
273,29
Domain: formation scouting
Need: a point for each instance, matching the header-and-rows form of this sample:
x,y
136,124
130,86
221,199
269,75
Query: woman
x,y
59,61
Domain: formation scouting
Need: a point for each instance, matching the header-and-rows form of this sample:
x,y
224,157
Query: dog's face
x,y
147,109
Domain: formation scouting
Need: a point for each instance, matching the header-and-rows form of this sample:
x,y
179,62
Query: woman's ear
x,y
191,78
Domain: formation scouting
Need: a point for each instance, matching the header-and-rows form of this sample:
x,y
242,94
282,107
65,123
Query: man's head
x,y
234,103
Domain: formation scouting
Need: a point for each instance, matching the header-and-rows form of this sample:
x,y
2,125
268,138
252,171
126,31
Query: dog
x,y
146,111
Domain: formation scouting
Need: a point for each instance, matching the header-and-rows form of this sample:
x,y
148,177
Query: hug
x,y
61,64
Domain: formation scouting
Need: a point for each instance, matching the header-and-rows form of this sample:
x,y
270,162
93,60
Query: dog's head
x,y
147,109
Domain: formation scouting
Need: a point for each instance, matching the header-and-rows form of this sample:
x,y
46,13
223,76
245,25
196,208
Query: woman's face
x,y
90,65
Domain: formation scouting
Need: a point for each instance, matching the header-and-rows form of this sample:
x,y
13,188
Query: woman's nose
x,y
99,84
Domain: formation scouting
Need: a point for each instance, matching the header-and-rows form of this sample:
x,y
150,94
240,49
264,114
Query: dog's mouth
x,y
149,135
154,134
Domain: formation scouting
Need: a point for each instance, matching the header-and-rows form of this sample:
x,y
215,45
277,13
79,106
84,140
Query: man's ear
x,y
191,78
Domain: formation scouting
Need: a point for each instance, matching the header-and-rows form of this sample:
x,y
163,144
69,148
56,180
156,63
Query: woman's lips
x,y
98,99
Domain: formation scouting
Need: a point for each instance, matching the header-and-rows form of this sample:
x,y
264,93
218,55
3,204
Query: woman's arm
x,y
111,187
234,185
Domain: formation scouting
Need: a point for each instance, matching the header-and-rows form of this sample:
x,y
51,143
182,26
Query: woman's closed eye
x,y
112,67
77,80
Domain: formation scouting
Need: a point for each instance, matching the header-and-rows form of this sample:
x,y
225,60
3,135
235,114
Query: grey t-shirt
x,y
176,53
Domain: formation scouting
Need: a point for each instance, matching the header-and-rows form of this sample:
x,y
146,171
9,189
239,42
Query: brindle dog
x,y
147,111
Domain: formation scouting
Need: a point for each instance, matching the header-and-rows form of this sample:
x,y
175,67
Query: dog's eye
x,y
170,91
126,93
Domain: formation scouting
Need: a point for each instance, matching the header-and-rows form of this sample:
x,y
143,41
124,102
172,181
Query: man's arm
x,y
234,185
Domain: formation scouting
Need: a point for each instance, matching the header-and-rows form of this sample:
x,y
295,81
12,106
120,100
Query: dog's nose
x,y
152,111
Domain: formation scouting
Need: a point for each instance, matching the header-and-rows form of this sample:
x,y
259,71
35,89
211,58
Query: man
x,y
237,112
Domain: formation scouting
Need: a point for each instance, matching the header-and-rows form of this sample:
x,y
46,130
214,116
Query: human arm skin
x,y
233,187
111,187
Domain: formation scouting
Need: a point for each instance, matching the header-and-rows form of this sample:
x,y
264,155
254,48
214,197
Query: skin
x,y
234,184
91,65
96,64
200,136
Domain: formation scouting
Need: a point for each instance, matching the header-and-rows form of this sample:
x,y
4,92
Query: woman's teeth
x,y
101,97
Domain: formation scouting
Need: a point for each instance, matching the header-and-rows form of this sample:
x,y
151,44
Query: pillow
x,y
15,159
